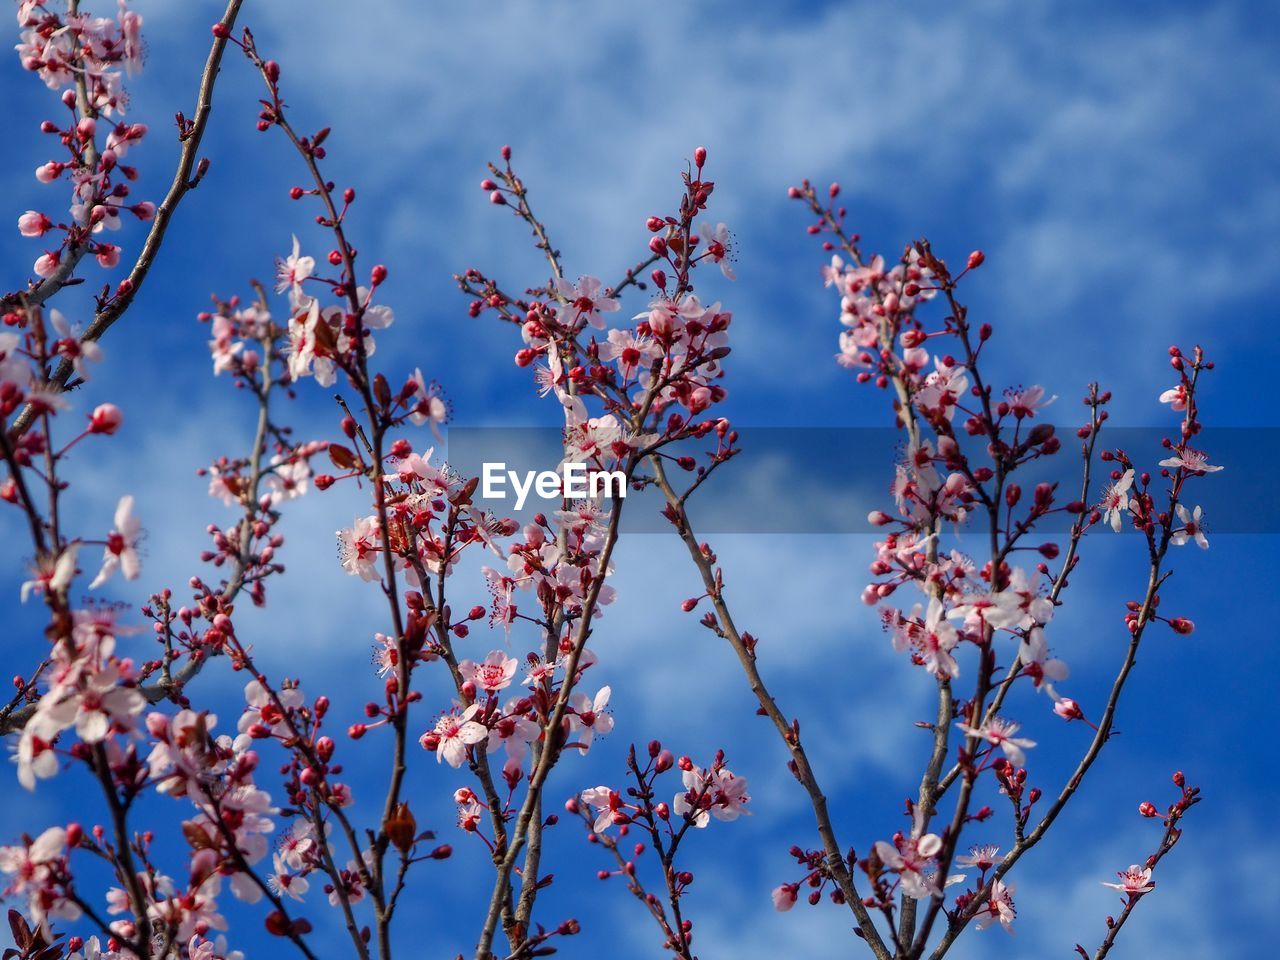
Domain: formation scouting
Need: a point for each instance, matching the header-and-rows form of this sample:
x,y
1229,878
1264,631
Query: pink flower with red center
x,y
52,575
1135,881
453,734
121,552
715,793
982,857
470,814
1192,461
360,547
912,859
1024,402
588,717
1033,654
997,908
1000,733
514,732
1176,397
1192,528
428,406
934,641
720,247
608,805
1115,500
284,883
72,346
585,300
997,609
267,711
292,270
493,674
634,353
312,344
30,864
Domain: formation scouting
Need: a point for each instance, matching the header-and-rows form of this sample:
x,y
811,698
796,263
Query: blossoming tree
x,y
260,808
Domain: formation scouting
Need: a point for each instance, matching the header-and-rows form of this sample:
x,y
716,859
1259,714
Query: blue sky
x,y
1116,163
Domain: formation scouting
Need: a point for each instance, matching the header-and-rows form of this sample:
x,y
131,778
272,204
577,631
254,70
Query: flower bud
x,y
105,419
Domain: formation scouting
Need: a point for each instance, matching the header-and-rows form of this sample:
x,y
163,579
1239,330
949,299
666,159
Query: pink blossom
x,y
983,857
1033,653
267,711
1026,402
997,908
428,407
1001,733
607,804
1192,461
121,552
52,575
284,883
720,247
633,353
310,353
912,859
81,352
514,732
453,734
1115,500
360,548
1176,397
1135,881
493,674
588,717
585,300
292,270
286,479
1192,528
993,609
711,793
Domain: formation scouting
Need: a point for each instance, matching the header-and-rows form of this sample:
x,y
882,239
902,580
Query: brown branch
x,y
835,862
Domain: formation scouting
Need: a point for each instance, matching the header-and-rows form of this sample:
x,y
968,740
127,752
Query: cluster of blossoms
x,y
626,394
704,794
84,56
964,447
